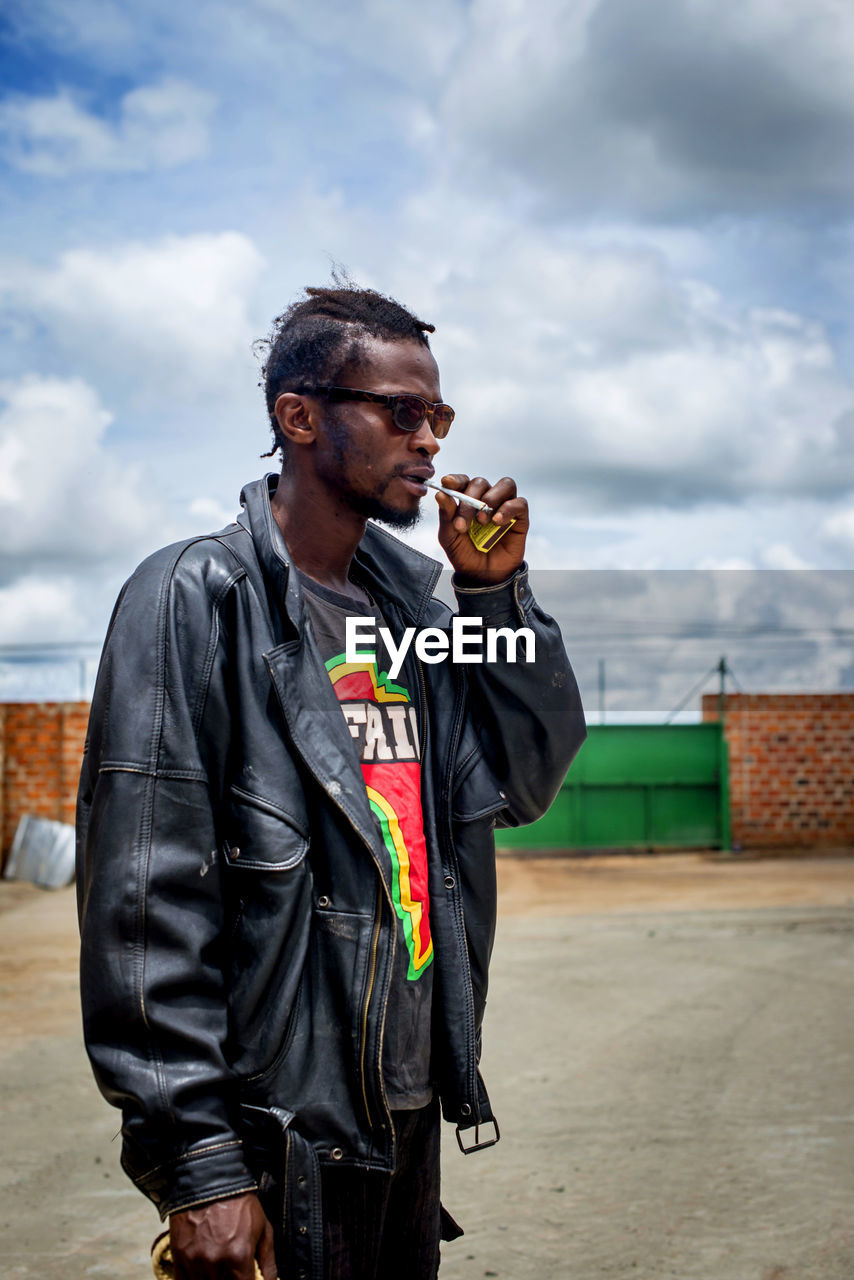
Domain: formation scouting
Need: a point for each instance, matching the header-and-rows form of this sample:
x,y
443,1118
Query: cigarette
x,y
460,497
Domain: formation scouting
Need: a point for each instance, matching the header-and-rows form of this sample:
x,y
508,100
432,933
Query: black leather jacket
x,y
234,893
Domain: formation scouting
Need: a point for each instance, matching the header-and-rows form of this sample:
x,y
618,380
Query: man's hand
x,y
220,1241
483,569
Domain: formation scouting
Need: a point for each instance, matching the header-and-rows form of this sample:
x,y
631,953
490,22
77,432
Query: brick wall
x,y
791,767
41,747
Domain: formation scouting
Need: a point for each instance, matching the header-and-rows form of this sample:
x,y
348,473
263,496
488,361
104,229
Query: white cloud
x,y
74,518
755,407
779,555
66,500
210,513
158,126
724,564
664,107
403,42
606,382
601,375
41,606
174,309
763,534
610,383
838,528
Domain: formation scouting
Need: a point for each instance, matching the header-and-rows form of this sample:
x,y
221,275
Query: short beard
x,y
376,509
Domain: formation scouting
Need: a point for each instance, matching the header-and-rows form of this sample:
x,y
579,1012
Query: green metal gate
x,y
638,787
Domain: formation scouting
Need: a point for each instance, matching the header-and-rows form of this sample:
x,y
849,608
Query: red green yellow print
x,y
382,723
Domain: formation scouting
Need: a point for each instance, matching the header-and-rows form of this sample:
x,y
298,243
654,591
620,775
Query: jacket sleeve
x,y
149,890
529,713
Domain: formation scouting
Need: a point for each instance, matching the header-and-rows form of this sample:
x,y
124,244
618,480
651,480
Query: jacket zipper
x,y
423,729
372,975
285,1195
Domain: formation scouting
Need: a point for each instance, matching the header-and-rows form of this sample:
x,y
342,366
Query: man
x,y
287,890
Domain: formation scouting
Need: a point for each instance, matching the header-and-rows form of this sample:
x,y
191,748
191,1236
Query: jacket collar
x,y
391,568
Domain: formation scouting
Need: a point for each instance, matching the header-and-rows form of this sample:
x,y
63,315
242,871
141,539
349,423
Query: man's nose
x,y
423,438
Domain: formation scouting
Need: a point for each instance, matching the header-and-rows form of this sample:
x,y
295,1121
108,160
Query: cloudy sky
x,y
632,225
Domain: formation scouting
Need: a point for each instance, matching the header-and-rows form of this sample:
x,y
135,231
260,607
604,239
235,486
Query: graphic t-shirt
x,y
383,721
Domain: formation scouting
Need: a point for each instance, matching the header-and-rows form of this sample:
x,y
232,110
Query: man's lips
x,y
414,479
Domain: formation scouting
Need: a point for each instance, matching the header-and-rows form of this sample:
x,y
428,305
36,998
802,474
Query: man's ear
x,y
296,418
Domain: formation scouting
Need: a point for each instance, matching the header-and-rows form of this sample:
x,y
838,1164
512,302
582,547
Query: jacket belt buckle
x,y
477,1145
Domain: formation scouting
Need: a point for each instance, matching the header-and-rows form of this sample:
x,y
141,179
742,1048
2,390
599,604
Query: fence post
x,y
723,765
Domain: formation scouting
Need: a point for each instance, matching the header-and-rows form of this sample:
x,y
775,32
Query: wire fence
x,y
53,672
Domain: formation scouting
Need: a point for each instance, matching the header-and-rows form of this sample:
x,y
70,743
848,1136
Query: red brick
x,y
41,748
791,766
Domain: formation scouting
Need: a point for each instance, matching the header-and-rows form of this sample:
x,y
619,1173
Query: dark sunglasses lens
x,y
409,412
443,416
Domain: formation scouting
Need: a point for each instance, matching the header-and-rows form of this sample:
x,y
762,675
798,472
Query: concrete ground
x,y
669,1052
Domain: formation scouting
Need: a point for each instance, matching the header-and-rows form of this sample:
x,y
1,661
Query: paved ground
x,y
670,1054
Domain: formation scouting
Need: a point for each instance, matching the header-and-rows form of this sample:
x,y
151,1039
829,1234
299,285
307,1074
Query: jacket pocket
x,y
476,793
268,888
261,835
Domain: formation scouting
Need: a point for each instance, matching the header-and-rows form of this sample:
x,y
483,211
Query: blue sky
x,y
631,225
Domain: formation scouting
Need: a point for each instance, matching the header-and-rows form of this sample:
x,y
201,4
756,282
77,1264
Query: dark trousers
x,y
380,1226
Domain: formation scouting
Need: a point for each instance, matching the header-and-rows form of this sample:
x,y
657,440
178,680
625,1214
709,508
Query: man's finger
x,y
267,1254
502,491
474,488
468,488
514,509
455,480
451,514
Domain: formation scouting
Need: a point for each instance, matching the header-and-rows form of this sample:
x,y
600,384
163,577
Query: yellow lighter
x,y
485,536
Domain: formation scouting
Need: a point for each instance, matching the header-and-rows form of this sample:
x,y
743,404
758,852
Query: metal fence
x,y
638,787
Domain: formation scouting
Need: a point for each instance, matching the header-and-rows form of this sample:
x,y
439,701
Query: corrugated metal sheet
x,y
42,852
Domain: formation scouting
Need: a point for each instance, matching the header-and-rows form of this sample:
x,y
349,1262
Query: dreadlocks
x,y
323,333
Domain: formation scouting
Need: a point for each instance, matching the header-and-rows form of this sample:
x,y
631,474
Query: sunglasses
x,y
408,411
